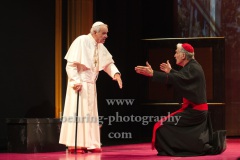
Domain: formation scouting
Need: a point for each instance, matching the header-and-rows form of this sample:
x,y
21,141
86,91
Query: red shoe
x,y
95,150
72,150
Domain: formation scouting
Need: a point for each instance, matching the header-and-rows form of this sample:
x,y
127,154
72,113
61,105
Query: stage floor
x,y
140,151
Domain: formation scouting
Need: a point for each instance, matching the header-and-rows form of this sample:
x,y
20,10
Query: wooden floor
x,y
140,151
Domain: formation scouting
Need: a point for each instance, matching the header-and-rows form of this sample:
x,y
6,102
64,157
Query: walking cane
x,y
76,123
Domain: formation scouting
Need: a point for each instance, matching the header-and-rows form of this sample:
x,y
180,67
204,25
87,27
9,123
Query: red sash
x,y
185,104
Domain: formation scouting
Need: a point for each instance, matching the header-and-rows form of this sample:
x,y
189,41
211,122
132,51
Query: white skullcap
x,y
97,24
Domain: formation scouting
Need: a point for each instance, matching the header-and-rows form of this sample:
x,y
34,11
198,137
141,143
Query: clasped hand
x,y
77,87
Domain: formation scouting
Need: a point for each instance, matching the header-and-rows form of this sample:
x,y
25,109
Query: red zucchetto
x,y
188,47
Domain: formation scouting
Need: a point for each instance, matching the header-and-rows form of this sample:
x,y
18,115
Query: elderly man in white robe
x,y
85,58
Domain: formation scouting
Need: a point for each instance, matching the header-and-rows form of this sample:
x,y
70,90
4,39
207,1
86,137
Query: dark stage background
x,y
27,60
28,48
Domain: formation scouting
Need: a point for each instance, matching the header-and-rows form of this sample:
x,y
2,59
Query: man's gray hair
x,y
189,55
96,27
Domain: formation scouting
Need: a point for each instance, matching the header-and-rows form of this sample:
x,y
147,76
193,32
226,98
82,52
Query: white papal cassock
x,y
82,68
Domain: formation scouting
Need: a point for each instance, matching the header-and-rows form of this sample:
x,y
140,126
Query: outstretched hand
x,y
117,77
165,67
145,70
